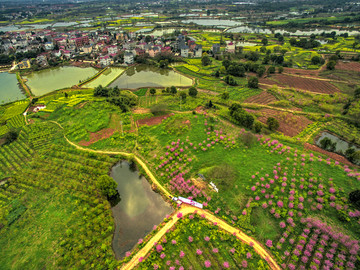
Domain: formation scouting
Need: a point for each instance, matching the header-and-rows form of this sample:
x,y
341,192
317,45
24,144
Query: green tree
x,y
331,65
272,123
193,91
173,90
315,60
280,69
253,82
113,92
264,41
225,95
107,185
271,70
354,198
152,91
257,127
357,93
230,80
11,136
183,95
205,60
261,71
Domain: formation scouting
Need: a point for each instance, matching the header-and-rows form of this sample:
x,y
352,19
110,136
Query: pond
x,y
213,22
139,209
106,77
9,90
48,80
150,76
341,145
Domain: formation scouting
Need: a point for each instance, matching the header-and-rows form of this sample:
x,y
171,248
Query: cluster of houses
x,y
100,47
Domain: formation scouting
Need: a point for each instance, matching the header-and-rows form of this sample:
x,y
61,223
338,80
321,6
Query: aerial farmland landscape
x,y
180,135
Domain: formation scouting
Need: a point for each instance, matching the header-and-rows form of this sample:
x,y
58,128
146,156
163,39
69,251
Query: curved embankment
x,y
185,210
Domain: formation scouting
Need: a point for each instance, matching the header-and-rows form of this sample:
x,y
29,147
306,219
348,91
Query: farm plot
x,y
352,66
290,124
262,98
306,84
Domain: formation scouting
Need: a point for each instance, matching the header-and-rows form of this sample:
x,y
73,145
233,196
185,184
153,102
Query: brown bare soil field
x,y
332,155
301,72
307,84
97,136
352,66
290,124
262,98
152,120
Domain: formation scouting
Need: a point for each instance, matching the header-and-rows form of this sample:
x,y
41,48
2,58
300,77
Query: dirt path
x,y
130,155
187,209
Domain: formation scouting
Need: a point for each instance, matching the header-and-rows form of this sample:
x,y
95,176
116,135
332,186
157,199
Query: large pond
x,y
139,209
213,22
106,77
150,76
9,89
47,80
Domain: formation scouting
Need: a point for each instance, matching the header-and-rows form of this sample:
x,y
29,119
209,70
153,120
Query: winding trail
x,y
185,210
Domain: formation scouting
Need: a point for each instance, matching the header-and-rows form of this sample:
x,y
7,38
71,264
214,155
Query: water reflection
x,y
138,211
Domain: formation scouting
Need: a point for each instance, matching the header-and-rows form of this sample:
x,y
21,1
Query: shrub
x,y
273,124
158,108
253,82
107,185
11,136
152,91
193,91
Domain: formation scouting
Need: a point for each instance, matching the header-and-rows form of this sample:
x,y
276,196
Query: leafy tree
x,y
173,90
260,71
193,91
264,41
163,63
280,69
217,74
253,82
226,63
183,95
113,92
272,123
328,144
11,136
315,60
101,91
354,198
257,127
230,80
271,70
152,91
205,60
107,185
331,65
225,95
357,93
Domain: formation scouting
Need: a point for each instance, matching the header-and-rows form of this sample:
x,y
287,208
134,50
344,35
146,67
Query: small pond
x,y
341,145
139,209
150,76
9,90
48,80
